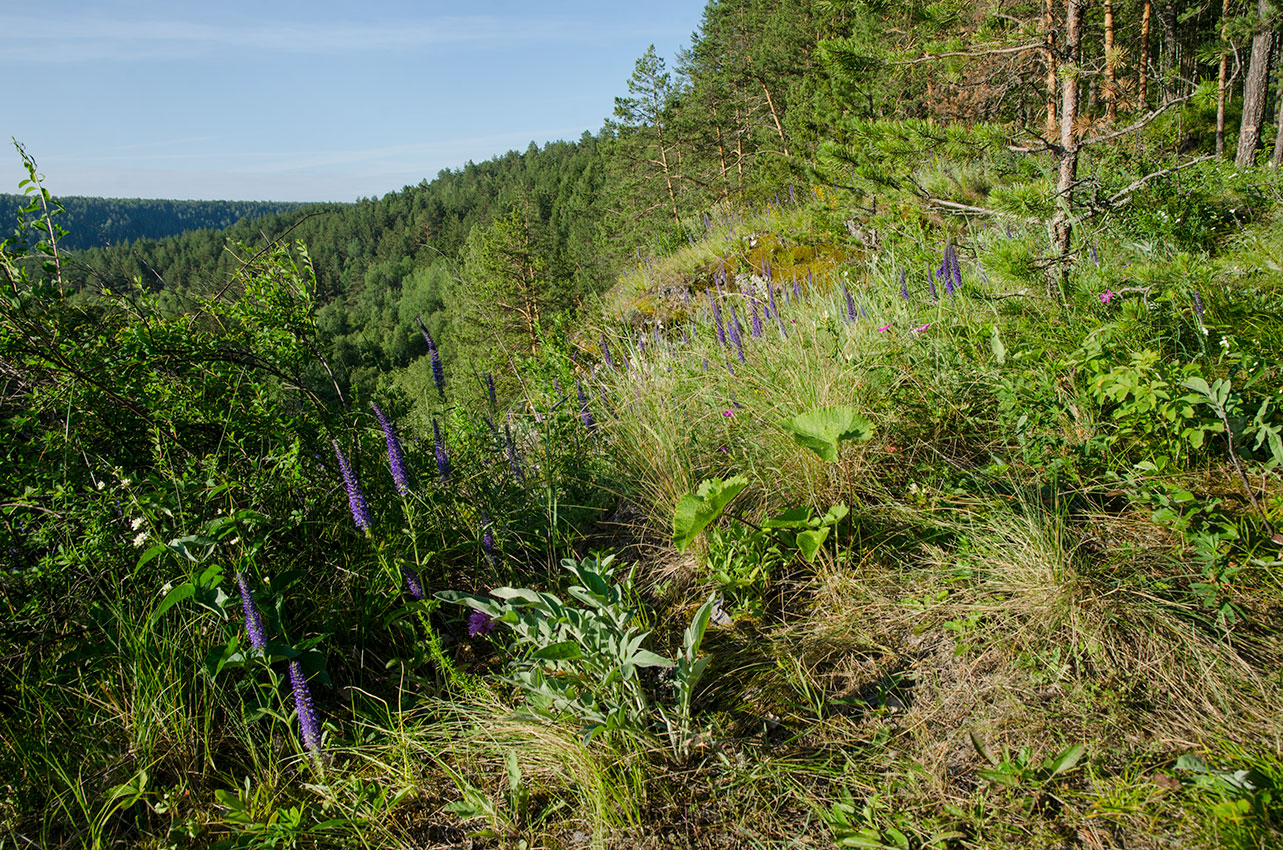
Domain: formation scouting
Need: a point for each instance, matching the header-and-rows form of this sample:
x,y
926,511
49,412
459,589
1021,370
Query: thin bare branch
x,y
1119,197
989,51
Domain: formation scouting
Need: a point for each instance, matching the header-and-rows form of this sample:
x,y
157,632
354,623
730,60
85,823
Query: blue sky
x,y
307,100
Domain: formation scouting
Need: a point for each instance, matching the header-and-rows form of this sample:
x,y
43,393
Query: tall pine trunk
x,y
1067,152
1142,84
1276,158
1049,27
1111,66
1221,78
1254,89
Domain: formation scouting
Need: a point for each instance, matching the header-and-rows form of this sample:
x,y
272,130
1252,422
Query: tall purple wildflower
x,y
950,272
490,390
756,322
355,499
253,619
733,331
766,269
605,352
1198,307
438,373
514,460
584,413
488,547
396,457
775,310
904,284
717,320
931,285
443,460
412,582
850,304
308,725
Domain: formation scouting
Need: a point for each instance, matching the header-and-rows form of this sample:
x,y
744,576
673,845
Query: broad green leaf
x,y
811,541
796,518
646,658
1066,760
696,510
821,430
836,514
567,650
175,595
1199,386
995,345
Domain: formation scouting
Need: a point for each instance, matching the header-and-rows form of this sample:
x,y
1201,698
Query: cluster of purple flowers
x,y
396,457
949,272
438,449
253,619
584,413
308,724
438,373
488,547
355,499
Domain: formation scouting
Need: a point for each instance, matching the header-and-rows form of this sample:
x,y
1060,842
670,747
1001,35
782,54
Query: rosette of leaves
x,y
577,658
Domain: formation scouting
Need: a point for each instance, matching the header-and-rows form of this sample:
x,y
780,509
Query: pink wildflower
x,y
920,328
884,328
1107,295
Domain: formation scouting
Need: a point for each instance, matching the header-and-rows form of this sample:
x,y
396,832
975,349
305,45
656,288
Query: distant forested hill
x,y
97,222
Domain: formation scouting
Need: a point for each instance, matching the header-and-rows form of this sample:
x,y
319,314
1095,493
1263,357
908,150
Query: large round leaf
x,y
821,430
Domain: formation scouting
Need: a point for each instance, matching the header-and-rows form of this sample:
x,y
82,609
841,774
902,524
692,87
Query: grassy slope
x,y
1047,607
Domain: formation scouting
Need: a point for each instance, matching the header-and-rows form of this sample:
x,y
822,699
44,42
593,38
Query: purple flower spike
x,y
904,284
766,269
514,460
1198,307
931,285
412,582
584,413
396,457
308,725
488,547
490,389
443,460
733,331
438,373
756,322
253,619
480,624
355,499
850,304
605,353
717,320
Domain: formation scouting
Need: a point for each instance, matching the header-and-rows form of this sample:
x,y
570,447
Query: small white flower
x,y
100,485
125,482
136,524
140,539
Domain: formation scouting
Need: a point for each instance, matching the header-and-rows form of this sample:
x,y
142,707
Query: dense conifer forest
x,y
869,437
102,222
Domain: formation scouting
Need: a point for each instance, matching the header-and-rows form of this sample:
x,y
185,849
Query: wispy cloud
x,y
29,39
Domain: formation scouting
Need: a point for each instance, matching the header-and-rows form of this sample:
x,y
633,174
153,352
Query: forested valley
x,y
869,437
102,222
